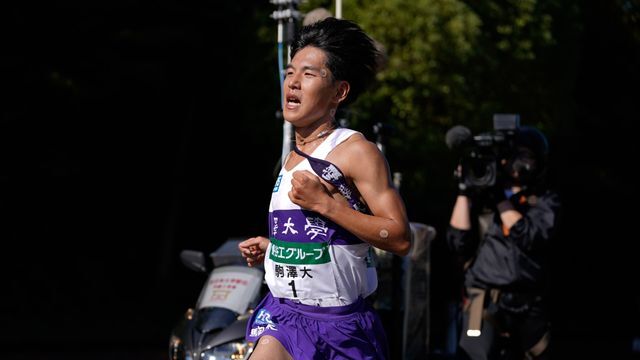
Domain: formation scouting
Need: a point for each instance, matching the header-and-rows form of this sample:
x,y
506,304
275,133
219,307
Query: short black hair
x,y
534,140
531,163
351,54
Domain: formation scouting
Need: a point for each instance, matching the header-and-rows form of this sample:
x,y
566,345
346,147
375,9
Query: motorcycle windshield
x,y
231,287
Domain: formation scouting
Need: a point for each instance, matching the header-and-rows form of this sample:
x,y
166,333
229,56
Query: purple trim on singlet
x,y
305,226
332,174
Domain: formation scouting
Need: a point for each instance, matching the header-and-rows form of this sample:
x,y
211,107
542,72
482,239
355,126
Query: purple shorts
x,y
312,332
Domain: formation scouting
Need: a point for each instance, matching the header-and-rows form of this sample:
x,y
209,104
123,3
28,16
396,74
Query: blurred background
x,y
131,130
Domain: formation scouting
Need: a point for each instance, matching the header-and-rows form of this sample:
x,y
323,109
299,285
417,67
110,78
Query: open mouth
x,y
292,100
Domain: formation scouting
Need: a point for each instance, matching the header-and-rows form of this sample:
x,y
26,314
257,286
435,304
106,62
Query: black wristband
x,y
463,189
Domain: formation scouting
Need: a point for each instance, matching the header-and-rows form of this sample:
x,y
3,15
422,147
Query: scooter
x,y
215,328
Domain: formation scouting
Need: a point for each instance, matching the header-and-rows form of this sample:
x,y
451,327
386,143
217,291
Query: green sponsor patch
x,y
285,252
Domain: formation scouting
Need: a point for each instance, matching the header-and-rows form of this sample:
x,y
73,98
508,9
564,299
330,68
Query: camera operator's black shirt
x,y
515,261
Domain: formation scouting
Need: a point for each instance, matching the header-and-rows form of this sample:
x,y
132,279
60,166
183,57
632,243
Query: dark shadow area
x,y
125,140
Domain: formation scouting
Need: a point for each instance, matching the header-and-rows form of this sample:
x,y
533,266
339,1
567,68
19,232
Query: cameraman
x,y
505,303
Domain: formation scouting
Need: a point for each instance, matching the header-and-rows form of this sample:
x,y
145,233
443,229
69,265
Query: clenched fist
x,y
307,191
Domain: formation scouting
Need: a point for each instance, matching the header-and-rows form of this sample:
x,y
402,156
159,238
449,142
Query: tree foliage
x,y
452,61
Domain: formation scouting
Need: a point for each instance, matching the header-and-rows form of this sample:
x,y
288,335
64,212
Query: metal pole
x,y
287,129
287,10
338,9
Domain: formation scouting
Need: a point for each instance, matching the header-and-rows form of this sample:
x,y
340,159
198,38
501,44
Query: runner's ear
x,y
342,91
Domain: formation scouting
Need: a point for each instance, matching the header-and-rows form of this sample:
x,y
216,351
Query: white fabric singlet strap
x,y
338,136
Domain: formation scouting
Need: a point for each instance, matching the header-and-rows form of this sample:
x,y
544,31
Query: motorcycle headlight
x,y
229,351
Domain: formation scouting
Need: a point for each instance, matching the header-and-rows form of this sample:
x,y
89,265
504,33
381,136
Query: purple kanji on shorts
x,y
313,332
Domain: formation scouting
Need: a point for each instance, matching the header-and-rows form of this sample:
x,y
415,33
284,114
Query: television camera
x,y
481,154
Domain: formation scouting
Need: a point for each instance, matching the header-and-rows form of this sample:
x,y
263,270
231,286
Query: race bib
x,y
300,271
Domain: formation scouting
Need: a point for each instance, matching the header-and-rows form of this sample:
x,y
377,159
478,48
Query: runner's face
x,y
310,92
